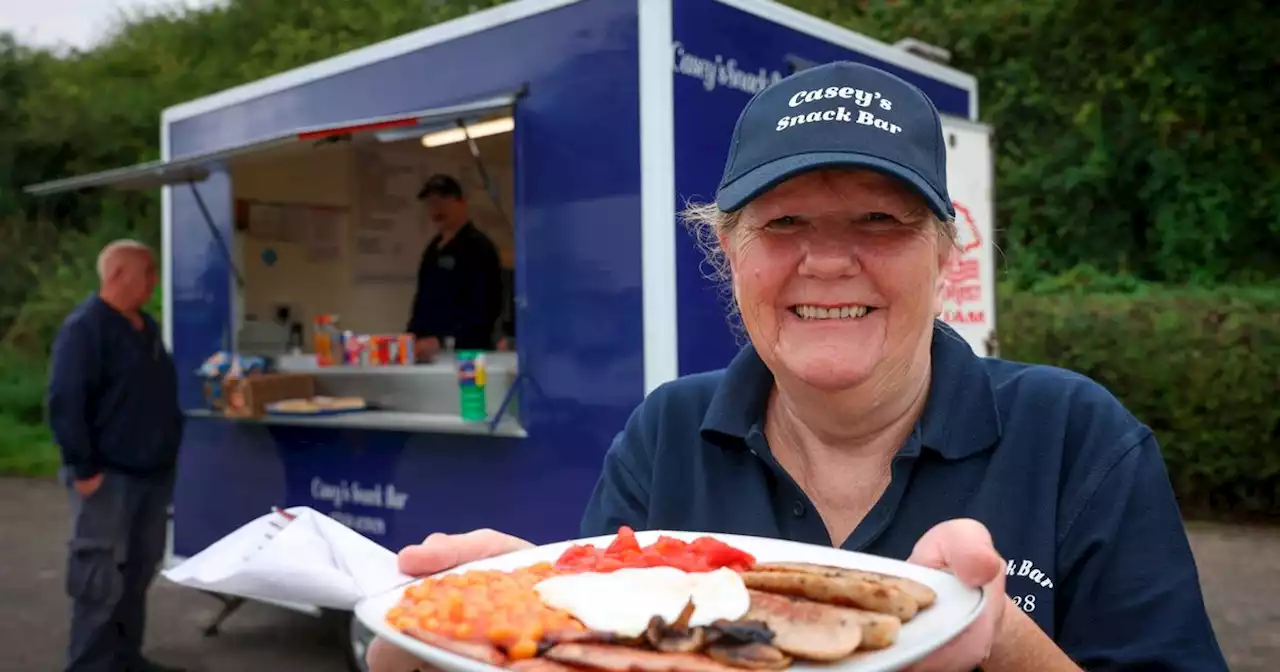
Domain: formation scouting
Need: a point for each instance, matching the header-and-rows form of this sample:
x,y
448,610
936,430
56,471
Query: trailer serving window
x,y
328,229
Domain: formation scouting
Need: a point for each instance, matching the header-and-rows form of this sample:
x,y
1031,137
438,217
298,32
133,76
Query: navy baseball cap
x,y
440,185
837,115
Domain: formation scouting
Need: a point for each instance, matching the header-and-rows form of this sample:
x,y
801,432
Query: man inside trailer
x,y
459,291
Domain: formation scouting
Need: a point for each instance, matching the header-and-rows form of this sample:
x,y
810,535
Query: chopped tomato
x,y
720,554
704,554
624,541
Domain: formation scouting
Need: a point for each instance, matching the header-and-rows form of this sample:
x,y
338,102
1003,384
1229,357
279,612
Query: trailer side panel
x,y
577,222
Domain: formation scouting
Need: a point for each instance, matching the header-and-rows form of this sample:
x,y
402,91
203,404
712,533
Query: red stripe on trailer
x,y
330,132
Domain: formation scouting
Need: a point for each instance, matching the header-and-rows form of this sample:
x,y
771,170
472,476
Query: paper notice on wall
x,y
325,231
295,223
390,230
264,221
318,229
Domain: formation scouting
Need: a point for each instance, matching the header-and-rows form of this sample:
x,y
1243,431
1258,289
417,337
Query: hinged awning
x,y
195,168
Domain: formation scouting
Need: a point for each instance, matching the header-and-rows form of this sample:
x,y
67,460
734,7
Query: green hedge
x,y
26,445
61,277
1200,367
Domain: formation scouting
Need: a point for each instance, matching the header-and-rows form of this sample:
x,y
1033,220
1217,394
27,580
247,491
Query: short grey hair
x,y
706,222
109,257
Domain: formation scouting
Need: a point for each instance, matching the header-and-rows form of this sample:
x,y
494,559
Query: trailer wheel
x,y
355,638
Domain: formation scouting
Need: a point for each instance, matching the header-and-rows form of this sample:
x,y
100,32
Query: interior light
x,y
480,130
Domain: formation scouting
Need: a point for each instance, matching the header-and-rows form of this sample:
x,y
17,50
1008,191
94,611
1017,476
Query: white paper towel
x,y
300,556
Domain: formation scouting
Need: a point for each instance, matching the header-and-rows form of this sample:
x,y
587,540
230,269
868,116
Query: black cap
x,y
440,185
839,114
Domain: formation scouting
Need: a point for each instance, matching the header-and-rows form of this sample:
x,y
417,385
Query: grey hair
x,y
107,257
706,222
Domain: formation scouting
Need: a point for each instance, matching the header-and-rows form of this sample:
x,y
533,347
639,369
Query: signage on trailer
x,y
968,291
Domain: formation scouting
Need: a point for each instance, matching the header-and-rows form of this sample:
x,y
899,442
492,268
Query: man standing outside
x,y
459,279
113,408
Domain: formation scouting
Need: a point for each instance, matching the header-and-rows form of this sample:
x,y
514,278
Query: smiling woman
x,y
854,418
816,263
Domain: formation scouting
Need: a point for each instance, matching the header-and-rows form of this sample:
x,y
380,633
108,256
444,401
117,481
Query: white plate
x,y
956,607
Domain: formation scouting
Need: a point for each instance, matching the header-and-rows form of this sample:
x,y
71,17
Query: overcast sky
x,y
78,23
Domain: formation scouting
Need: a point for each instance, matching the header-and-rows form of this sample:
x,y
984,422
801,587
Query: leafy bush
x,y
26,450
57,282
22,381
1198,366
26,446
64,276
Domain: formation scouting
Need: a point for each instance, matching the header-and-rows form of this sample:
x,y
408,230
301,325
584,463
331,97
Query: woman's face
x,y
835,273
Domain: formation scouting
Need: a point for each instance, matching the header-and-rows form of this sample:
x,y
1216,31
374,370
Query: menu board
x,y
391,229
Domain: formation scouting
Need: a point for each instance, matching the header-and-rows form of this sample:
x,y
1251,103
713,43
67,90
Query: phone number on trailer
x,y
364,524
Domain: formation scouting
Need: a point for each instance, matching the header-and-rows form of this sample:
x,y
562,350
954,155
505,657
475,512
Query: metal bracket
x,y
506,402
217,235
230,604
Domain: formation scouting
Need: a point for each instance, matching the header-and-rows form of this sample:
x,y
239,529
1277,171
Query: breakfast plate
x,y
669,601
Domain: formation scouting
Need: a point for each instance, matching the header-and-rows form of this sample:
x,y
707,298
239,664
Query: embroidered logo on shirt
x,y
1028,570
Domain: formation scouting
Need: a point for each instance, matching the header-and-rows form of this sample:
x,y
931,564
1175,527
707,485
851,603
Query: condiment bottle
x,y
471,384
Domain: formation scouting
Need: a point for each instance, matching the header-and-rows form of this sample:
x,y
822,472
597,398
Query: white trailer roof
x,y
521,9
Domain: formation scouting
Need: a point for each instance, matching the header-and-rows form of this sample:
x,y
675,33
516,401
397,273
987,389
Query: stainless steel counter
x,y
395,421
417,398
421,388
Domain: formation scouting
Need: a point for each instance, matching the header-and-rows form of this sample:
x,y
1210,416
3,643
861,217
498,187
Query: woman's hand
x,y
436,554
964,548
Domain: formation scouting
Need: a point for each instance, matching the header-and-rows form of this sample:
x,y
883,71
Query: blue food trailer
x,y
580,128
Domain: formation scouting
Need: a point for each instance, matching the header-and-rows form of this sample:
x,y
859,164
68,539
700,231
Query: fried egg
x,y
623,602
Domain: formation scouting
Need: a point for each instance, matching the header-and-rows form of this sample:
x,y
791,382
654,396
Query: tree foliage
x,y
1133,137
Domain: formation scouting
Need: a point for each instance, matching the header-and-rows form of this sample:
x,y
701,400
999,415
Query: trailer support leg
x,y
229,606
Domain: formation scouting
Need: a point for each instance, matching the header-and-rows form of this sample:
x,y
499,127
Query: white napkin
x,y
299,556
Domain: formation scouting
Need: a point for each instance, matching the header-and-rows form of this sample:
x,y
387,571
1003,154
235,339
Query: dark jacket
x,y
113,394
459,290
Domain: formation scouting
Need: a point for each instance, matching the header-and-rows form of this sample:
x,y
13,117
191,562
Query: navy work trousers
x,y
117,545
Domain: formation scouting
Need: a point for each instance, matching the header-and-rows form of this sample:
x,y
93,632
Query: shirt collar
x,y
99,304
464,230
960,417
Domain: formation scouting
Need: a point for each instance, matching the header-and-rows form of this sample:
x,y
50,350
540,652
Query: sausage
x,y
922,594
805,629
839,591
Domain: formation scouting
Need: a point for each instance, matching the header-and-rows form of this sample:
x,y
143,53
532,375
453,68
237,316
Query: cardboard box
x,y
213,395
248,397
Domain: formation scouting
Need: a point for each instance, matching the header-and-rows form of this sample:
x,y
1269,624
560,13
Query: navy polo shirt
x,y
1072,487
